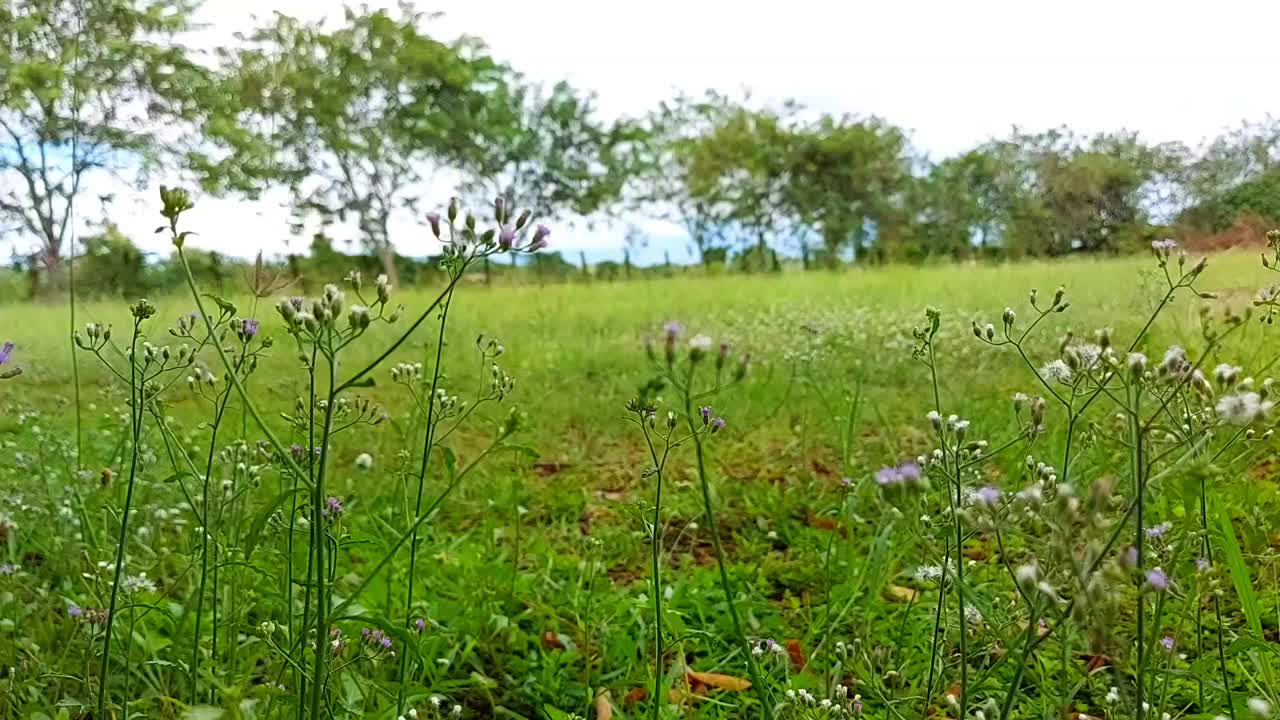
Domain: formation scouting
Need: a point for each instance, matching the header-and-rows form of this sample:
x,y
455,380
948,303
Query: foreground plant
x,y
680,371
323,329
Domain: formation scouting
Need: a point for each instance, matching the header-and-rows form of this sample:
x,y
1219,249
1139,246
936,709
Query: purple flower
x,y
420,624
297,302
433,218
1167,642
1130,557
706,414
5,351
717,425
846,482
364,632
1158,530
506,238
334,506
887,476
988,495
540,237
385,642
1202,564
75,610
672,328
249,328
1157,579
908,471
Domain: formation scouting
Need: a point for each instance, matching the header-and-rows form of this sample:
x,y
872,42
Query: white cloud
x,y
954,73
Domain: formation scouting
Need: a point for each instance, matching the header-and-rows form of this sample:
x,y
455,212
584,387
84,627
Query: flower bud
x,y
453,209
433,219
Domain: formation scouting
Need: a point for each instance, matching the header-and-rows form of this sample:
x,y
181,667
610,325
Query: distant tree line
x,y
353,120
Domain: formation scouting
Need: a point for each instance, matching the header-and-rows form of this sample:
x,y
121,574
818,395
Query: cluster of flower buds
x,y
376,639
98,335
1058,304
407,373
199,376
1035,408
510,235
1175,367
142,309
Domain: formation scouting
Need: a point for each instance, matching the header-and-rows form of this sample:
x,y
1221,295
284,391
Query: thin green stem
x,y
656,547
766,709
135,416
427,446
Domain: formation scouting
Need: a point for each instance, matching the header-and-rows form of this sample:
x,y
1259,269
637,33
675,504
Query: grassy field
x,y
533,582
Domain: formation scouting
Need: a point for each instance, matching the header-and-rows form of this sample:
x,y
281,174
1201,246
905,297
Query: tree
x,y
848,175
352,120
664,186
84,85
555,157
741,170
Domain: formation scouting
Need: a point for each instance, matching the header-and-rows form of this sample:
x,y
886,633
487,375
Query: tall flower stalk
x,y
700,422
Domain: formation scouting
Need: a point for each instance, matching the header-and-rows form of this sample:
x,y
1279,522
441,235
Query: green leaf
x,y
450,460
176,476
203,712
1240,574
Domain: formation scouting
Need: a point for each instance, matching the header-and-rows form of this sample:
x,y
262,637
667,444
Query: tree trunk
x,y
388,256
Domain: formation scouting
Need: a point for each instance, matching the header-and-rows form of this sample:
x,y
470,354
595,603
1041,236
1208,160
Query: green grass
x,y
534,577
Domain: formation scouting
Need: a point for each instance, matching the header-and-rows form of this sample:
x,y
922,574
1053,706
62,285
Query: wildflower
x,y
1259,707
333,507
909,472
6,351
1159,530
887,476
1243,408
699,345
1137,363
1027,575
1158,580
717,425
420,624
1056,371
1226,374
138,583
705,412
433,219
935,419
540,235
506,238
928,573
1113,695
988,496
75,610
8,569
1167,643
1202,564
364,461
248,328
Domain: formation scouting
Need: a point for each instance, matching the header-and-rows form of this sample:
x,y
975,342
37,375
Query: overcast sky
x,y
954,73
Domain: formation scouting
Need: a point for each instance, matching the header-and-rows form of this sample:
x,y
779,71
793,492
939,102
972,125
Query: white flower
x,y
1226,374
1243,408
1174,358
928,573
138,583
1137,362
1089,354
1056,371
1113,696
364,461
1259,707
700,343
